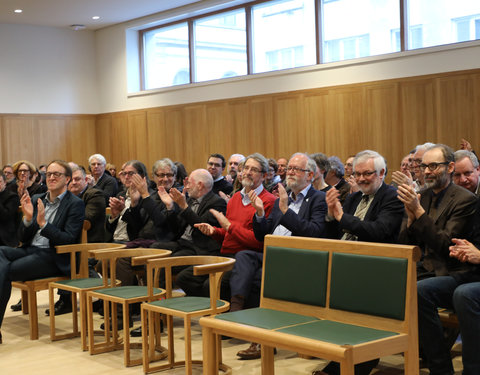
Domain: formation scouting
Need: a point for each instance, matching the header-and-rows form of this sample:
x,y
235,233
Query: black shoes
x,y
62,306
137,332
17,306
119,325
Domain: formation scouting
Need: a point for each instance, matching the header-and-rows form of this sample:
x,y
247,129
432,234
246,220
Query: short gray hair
x,y
336,166
260,159
311,165
462,154
378,160
242,158
165,163
99,157
205,177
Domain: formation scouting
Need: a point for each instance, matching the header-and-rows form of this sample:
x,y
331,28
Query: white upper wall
x,y
118,44
47,70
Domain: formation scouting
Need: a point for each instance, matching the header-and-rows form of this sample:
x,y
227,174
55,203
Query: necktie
x,y
360,212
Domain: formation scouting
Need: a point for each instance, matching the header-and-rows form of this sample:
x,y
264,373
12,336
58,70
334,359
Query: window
x,y
166,57
220,46
357,28
443,21
283,35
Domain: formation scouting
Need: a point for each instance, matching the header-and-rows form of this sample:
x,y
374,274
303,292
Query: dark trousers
x,y
21,264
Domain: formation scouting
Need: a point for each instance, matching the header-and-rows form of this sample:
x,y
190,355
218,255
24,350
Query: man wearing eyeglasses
x,y
467,171
440,213
372,214
50,219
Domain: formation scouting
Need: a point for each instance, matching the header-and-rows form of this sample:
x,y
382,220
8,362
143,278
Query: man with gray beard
x,y
440,213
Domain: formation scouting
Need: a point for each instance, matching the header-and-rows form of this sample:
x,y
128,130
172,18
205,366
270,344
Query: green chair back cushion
x,y
296,275
369,284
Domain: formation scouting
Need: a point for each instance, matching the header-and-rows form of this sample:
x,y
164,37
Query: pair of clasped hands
x,y
27,209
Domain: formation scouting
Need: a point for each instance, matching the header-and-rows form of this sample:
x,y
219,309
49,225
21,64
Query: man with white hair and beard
x,y
372,214
440,213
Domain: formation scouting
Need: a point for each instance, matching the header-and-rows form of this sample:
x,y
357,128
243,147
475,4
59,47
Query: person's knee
x,y
466,296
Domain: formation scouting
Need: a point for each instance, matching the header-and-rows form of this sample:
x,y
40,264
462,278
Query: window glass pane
x,y
442,21
283,35
166,57
358,28
220,46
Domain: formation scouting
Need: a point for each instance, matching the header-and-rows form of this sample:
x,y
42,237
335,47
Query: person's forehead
x,y
434,155
165,169
54,167
77,174
129,168
282,161
253,163
235,159
298,160
96,161
366,164
215,160
464,164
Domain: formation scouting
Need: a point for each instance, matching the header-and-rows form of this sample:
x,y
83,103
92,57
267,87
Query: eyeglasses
x,y
8,173
54,174
296,170
23,171
466,174
163,175
432,166
364,174
131,173
251,169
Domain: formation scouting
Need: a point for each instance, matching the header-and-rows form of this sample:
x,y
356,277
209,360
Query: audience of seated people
x,y
435,192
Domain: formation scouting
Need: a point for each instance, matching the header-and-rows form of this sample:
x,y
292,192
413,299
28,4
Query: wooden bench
x,y
345,301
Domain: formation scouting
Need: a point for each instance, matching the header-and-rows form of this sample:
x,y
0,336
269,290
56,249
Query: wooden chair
x,y
79,284
31,287
184,307
123,295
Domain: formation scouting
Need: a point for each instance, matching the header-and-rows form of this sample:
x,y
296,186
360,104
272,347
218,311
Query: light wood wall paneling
x,y
174,126
51,135
104,140
289,120
156,142
417,106
196,134
345,122
382,130
81,139
316,110
120,140
18,141
137,137
220,131
261,134
457,107
239,115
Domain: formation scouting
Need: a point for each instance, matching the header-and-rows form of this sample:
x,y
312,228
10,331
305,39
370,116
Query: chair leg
x,y
52,312
33,314
267,360
24,302
188,345
74,313
126,335
210,360
83,320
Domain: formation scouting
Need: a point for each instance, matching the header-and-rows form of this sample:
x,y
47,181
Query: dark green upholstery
x,y
369,284
265,318
296,275
126,292
82,283
337,333
186,304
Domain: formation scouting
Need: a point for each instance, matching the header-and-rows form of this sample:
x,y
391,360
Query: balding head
x,y
199,183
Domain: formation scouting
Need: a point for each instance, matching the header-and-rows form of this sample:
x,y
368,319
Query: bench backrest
x,y
368,283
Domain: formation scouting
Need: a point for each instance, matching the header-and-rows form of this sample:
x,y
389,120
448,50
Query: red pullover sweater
x,y
240,234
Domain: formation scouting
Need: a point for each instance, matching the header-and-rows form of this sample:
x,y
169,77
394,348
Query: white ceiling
x,y
63,13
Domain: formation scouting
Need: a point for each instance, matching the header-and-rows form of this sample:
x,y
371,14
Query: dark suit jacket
x,y
157,225
222,185
309,222
453,219
95,213
382,220
65,229
180,219
108,185
9,218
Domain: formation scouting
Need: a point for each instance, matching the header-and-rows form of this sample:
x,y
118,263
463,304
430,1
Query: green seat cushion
x,y
336,333
186,304
296,275
265,318
82,283
369,284
131,291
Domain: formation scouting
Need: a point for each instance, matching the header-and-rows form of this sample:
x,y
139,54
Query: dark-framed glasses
x,y
54,174
364,174
432,166
163,175
296,170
